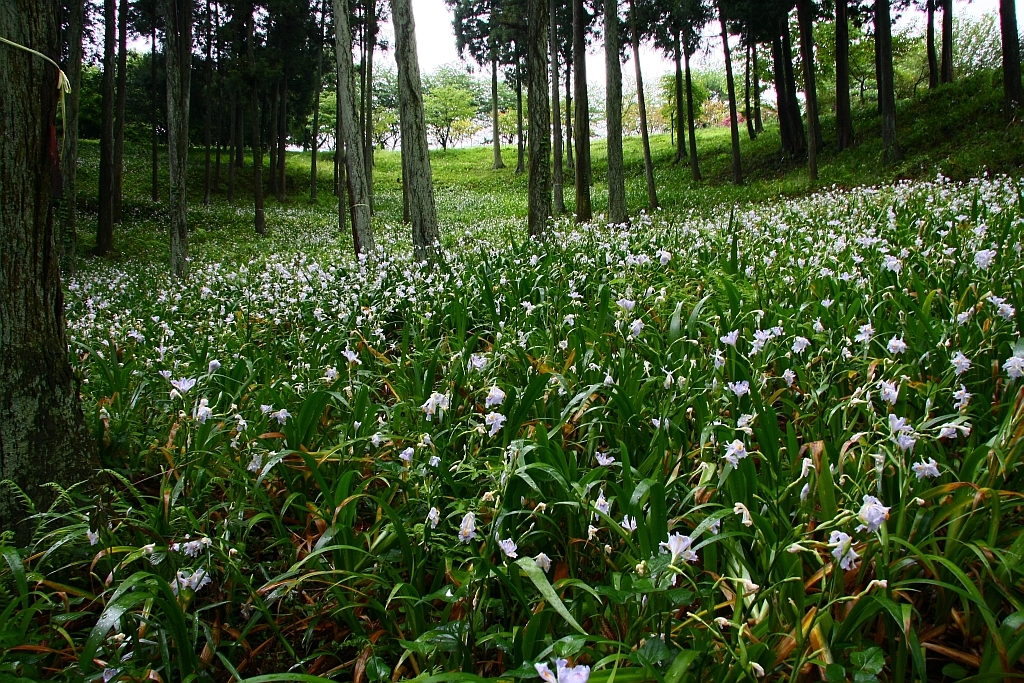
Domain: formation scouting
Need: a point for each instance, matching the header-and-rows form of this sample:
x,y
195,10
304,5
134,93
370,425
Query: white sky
x,y
436,40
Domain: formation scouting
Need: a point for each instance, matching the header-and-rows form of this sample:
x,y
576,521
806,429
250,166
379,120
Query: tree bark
x,y
422,212
568,120
691,124
933,58
153,107
233,136
117,197
786,134
734,124
751,133
178,48
520,146
539,182
947,41
558,179
805,17
371,40
617,212
793,106
240,147
886,87
69,159
844,114
362,229
1012,93
282,140
652,192
220,102
496,142
316,103
105,225
758,122
581,127
43,436
680,104
272,140
254,126
208,91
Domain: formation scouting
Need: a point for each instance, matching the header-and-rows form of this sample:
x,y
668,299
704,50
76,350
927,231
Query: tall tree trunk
x,y
371,47
782,99
691,124
178,48
886,87
568,119
233,136
558,180
933,58
539,190
581,127
652,192
208,92
105,225
520,146
844,114
496,141
351,137
1012,94
339,141
272,140
220,102
751,133
947,41
122,81
316,103
680,115
260,222
153,105
68,241
805,17
420,181
282,140
758,122
617,212
43,436
734,125
793,108
240,147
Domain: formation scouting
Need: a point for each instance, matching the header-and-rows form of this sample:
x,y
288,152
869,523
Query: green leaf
x,y
680,665
534,573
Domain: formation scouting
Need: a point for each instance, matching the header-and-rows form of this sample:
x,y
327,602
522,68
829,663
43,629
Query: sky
x,y
436,41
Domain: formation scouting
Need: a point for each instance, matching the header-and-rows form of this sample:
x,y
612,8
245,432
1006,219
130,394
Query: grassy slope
x,y
957,130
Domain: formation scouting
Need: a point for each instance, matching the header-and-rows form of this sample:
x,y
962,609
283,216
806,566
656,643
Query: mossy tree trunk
x,y
539,182
178,48
495,131
886,85
617,212
122,80
844,114
105,223
69,159
557,176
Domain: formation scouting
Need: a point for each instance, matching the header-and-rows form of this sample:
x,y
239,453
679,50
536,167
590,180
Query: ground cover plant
x,y
775,442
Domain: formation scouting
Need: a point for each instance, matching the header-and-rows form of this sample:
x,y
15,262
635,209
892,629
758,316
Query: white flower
x,y
281,416
352,357
805,491
256,463
183,384
664,256
629,523
962,396
626,304
961,363
983,259
928,468
494,397
569,319
948,431
508,547
789,377
1014,366
757,669
494,421
266,409
467,530
602,504
805,467
872,514
193,581
191,548
898,425
433,517
890,391
800,344
543,561
604,460
203,412
435,405
477,362
741,509
213,367
735,452
636,328
905,441
892,264
864,335
896,345
740,388
843,550
407,454
93,537
731,338
434,461
577,674
331,374
679,547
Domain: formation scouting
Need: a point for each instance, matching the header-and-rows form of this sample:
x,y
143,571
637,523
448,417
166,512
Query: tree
x,y
933,59
737,168
635,34
557,176
581,125
355,161
418,180
178,48
886,85
105,224
947,41
43,436
316,104
254,125
617,212
119,101
69,156
1012,92
805,14
844,114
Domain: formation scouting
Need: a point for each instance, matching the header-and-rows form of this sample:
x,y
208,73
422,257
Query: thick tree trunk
x,y
69,159
272,141
178,48
558,179
520,146
581,127
933,58
260,222
1012,93
617,212
339,142
782,99
208,120
691,124
371,47
351,138
680,122
105,225
496,135
220,102
316,103
758,122
652,192
947,41
793,105
539,189
43,437
570,163
282,141
240,147
420,181
805,17
232,143
153,106
886,87
844,114
122,80
734,125
751,133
